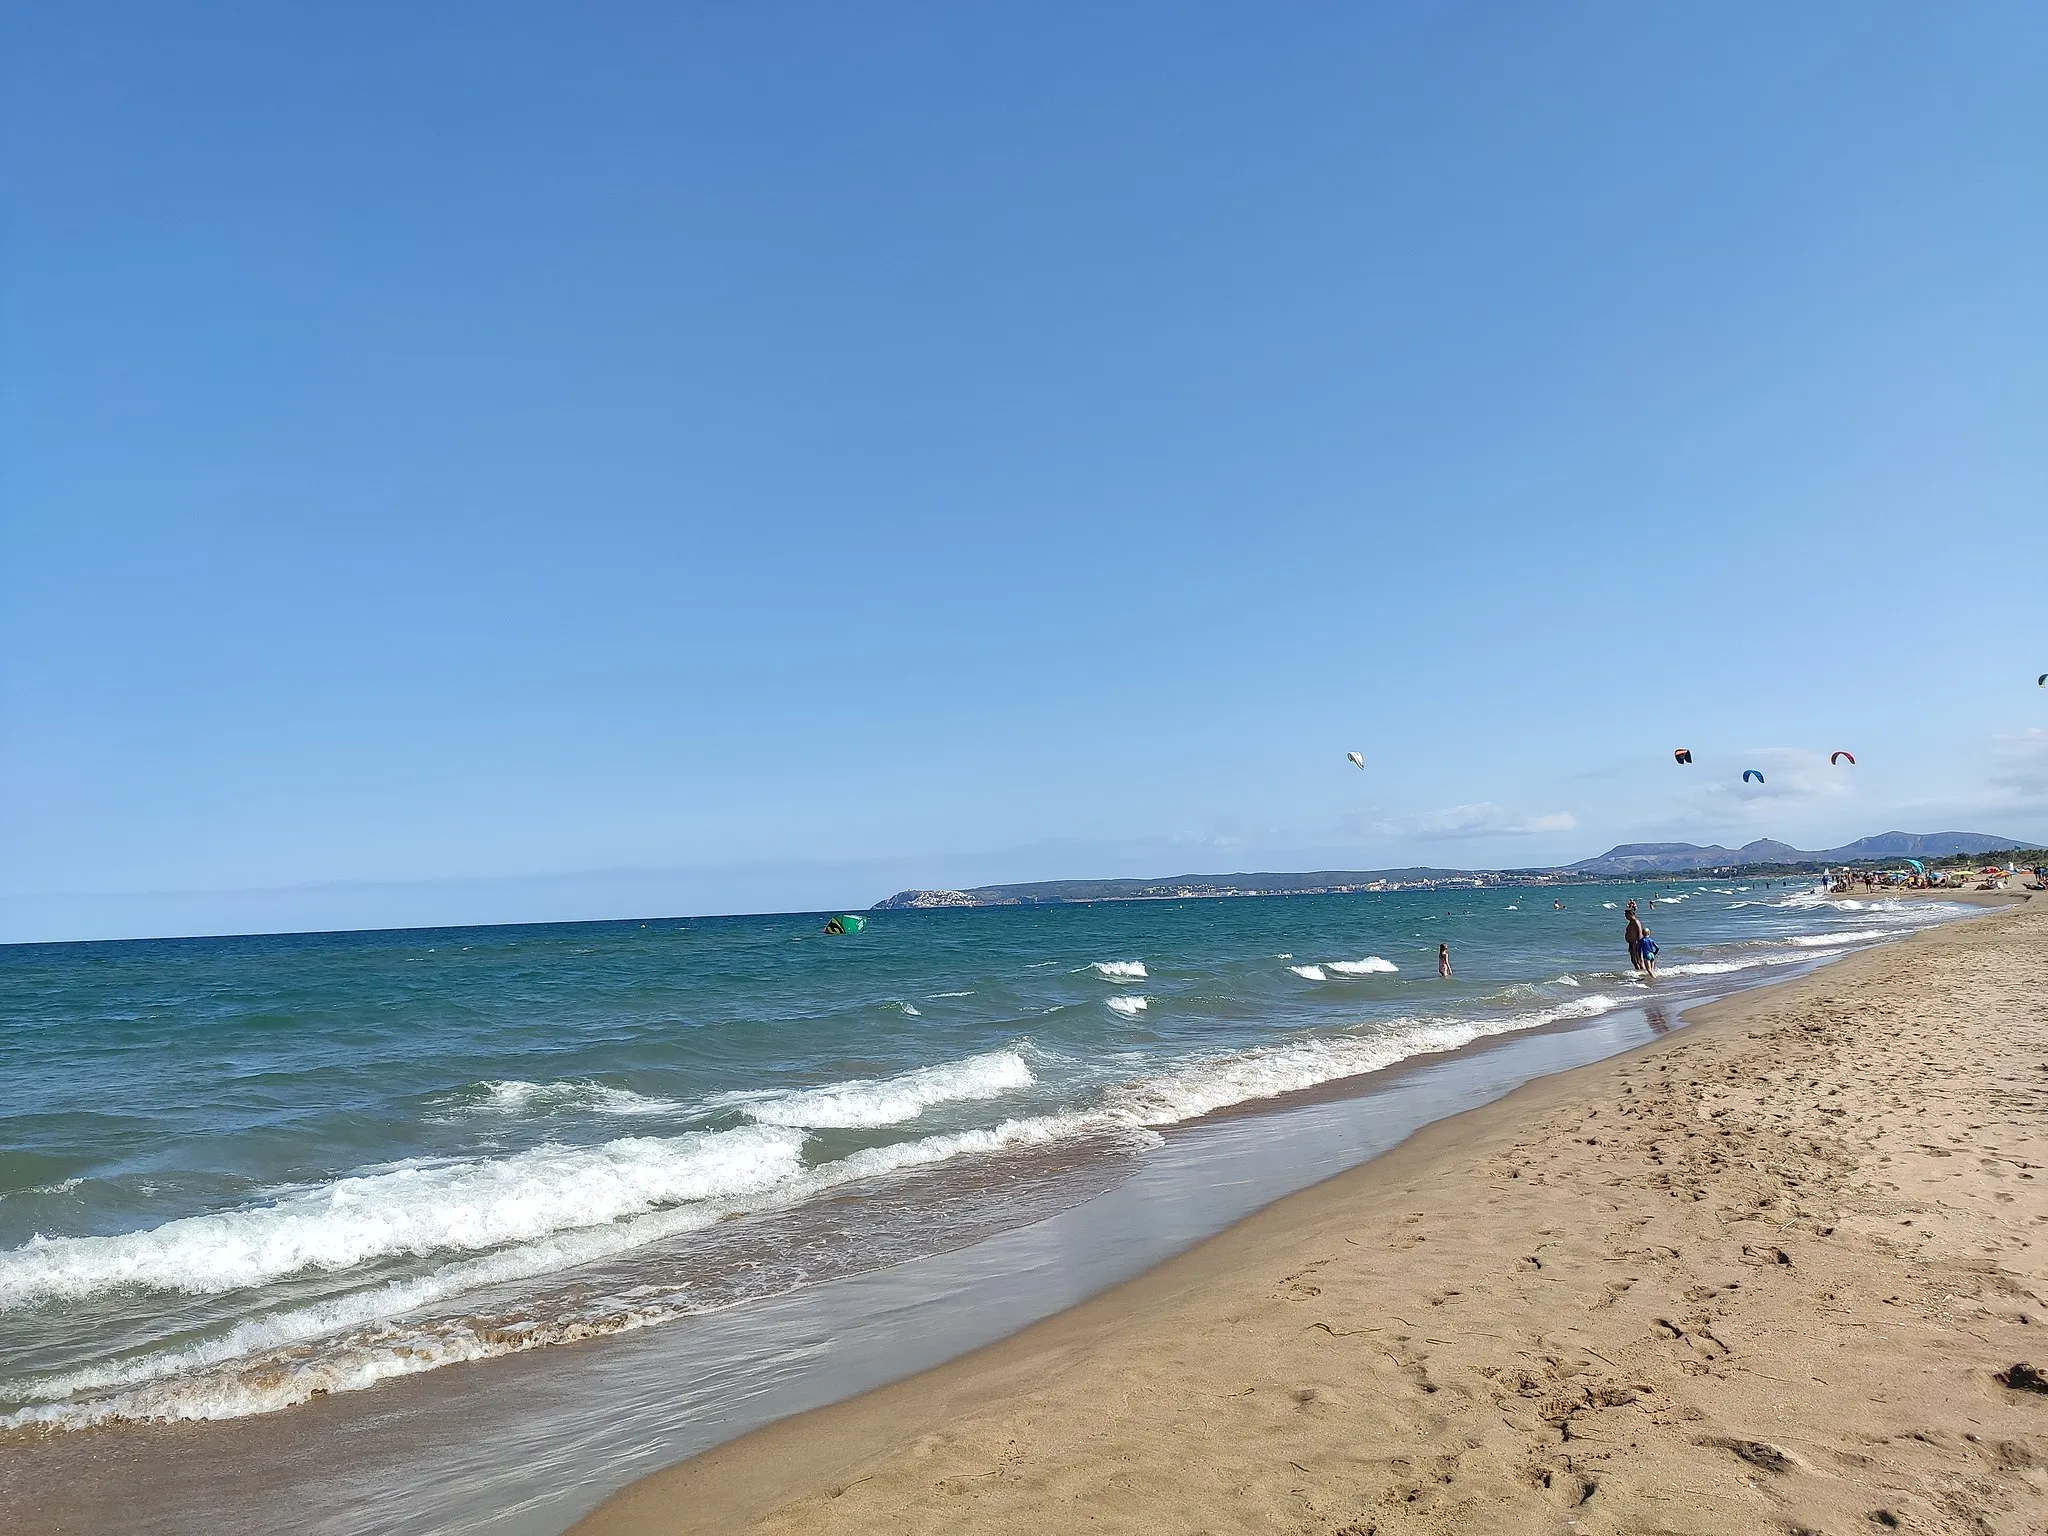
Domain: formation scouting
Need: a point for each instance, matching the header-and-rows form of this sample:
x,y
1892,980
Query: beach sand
x,y
1772,1273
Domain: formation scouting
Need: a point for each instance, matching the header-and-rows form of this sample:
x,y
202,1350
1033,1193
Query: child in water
x,y
1642,949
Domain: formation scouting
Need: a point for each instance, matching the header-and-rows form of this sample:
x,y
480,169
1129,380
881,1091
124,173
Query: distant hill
x,y
1670,858
1624,860
1175,888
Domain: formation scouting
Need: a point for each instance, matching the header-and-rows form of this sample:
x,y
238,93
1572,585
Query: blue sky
x,y
482,462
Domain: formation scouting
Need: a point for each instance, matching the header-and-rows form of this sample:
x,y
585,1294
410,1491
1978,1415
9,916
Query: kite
x,y
1356,759
1682,755
1836,757
1751,773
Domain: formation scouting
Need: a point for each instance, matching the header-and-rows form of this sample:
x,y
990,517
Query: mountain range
x,y
1624,859
1658,858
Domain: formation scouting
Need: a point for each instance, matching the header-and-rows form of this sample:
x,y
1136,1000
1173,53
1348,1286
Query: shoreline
x,y
570,1425
518,1447
880,1440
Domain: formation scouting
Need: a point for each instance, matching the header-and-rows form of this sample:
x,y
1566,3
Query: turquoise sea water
x,y
235,1173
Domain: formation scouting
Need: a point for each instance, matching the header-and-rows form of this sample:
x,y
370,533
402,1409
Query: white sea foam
x,y
911,1009
183,1389
1709,967
892,1100
1370,965
1807,900
952,994
1120,970
162,1386
1127,1005
1576,1008
64,1188
1309,972
1203,1087
1829,940
366,1308
513,1097
1608,905
412,1208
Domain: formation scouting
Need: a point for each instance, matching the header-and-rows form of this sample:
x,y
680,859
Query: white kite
x,y
1356,759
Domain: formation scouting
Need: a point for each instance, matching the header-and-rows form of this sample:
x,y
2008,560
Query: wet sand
x,y
1778,1272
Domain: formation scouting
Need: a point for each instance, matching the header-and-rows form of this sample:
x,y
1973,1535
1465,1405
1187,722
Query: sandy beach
x,y
1775,1272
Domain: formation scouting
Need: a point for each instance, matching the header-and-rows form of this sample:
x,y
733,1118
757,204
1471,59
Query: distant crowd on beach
x,y
1990,878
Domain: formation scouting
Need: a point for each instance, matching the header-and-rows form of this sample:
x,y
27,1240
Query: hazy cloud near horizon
x,y
2020,767
1484,819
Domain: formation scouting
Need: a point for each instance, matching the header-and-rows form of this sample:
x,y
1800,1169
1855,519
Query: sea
x,y
237,1174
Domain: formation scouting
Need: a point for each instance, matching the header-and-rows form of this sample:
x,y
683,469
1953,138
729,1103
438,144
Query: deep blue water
x,y
235,1172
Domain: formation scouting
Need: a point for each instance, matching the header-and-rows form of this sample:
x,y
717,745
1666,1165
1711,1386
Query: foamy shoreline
x,y
484,1247
1715,1283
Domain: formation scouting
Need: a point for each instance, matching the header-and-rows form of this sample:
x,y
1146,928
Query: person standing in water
x,y
1443,961
1641,954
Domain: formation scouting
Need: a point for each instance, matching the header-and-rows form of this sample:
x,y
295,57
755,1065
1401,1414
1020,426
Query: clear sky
x,y
471,462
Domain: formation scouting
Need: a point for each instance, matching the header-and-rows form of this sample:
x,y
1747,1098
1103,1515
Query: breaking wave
x,y
1225,1080
416,1209
512,1097
258,1365
893,1100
